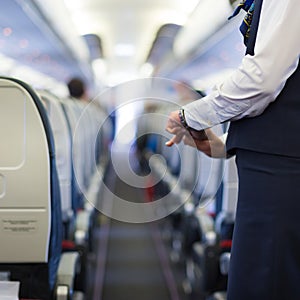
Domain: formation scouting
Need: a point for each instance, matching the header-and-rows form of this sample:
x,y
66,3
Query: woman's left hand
x,y
213,146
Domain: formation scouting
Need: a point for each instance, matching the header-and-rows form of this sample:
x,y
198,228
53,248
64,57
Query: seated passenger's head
x,y
77,88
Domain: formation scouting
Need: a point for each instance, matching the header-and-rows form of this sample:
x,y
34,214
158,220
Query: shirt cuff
x,y
200,114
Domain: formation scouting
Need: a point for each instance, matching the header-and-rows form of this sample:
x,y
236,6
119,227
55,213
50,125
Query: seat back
x,y
190,163
230,187
85,124
210,174
62,139
173,159
73,112
30,212
73,115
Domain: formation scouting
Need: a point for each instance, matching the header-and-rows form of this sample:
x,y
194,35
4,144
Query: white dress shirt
x,y
260,78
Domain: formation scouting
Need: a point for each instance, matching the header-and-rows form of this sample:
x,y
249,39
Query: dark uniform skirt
x,y
265,261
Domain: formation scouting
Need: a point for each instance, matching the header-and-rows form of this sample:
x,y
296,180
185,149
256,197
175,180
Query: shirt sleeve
x,y
261,77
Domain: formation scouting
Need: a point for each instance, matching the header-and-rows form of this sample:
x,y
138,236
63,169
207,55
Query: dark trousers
x,y
265,261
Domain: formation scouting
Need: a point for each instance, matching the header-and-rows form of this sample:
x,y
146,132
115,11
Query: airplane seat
x,y
224,224
85,122
214,261
215,266
230,188
87,181
90,123
86,134
226,218
97,117
189,167
174,160
209,178
101,144
62,140
182,221
200,243
79,142
30,207
225,243
73,115
203,258
105,132
224,227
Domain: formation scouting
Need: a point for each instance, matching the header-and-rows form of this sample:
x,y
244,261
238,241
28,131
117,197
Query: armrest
x,y
224,263
68,267
218,296
62,292
82,227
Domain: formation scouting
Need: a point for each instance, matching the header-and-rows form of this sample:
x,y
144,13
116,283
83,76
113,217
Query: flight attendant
x,y
262,100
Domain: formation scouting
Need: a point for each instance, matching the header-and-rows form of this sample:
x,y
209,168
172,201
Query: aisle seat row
x,y
42,191
204,191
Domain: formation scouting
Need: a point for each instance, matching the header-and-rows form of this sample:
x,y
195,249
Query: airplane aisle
x,y
137,264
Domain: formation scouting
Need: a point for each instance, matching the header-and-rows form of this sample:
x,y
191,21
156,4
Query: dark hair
x,y
76,87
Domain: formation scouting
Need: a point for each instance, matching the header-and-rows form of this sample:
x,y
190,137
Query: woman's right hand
x,y
175,127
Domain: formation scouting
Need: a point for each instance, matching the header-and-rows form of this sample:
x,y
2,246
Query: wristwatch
x,y
182,119
196,134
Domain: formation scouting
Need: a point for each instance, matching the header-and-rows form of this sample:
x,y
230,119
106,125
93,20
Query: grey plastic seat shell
x,y
25,213
30,211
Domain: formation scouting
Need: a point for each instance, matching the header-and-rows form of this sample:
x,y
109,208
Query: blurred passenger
x,y
146,141
262,100
77,89
186,92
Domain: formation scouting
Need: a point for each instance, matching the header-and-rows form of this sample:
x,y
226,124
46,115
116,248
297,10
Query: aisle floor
x,y
134,259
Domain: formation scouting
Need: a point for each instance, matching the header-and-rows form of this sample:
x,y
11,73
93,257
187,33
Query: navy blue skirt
x,y
265,261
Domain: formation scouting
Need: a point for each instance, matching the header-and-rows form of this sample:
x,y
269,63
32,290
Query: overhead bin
x,y
207,18
35,39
